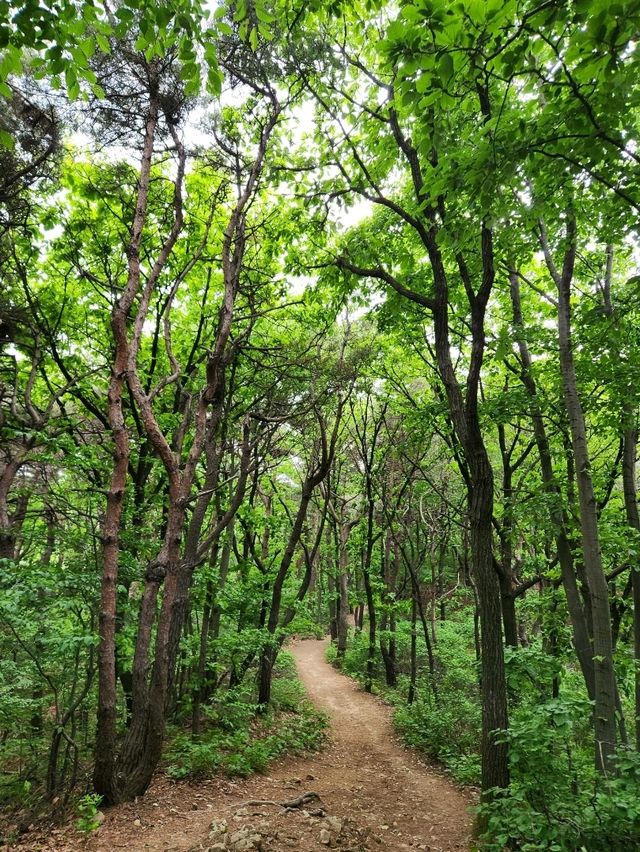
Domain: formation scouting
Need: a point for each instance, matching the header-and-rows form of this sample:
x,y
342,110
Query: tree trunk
x,y
465,419
505,572
371,649
343,589
413,652
577,613
104,777
605,684
633,519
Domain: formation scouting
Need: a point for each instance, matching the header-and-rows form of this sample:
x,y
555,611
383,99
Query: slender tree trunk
x,y
343,588
633,519
577,613
505,573
386,643
605,683
371,648
317,474
333,606
413,653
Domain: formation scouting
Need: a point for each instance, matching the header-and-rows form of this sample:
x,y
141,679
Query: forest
x,y
321,319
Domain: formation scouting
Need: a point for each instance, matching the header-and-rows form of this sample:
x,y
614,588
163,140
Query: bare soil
x,y
372,793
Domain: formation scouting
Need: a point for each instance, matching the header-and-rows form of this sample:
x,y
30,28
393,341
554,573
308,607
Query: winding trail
x,y
367,774
381,795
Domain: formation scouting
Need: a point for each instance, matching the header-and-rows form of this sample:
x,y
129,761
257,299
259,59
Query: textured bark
x,y
104,777
131,773
465,419
463,412
8,532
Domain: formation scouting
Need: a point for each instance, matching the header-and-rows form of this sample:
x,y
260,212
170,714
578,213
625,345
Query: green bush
x,y
445,730
446,726
238,742
88,813
555,801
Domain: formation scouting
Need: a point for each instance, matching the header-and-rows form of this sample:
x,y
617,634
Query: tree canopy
x,y
322,318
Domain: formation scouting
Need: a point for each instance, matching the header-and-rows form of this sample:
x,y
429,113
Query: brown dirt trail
x,y
374,793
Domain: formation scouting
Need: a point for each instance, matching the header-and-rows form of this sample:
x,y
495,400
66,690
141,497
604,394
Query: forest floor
x,y
370,793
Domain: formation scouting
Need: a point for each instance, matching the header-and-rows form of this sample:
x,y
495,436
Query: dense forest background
x,y
323,317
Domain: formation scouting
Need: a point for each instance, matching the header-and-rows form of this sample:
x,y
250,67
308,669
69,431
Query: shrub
x,y
239,743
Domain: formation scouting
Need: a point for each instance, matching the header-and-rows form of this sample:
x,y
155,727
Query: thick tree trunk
x,y
493,682
9,522
464,416
104,777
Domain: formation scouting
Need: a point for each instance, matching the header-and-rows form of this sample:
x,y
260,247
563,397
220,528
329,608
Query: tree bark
x,y
633,519
558,515
605,683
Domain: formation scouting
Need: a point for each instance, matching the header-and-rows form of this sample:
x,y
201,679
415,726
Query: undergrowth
x,y
238,742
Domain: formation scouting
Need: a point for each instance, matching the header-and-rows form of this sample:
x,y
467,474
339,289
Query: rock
x,y
317,812
137,823
218,827
334,824
242,812
325,836
247,843
239,835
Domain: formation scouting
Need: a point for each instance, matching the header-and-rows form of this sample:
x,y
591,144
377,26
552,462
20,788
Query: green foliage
x,y
304,626
448,733
446,726
551,811
448,120
88,814
60,39
239,742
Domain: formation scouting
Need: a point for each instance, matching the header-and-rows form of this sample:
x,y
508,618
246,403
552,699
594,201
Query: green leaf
x,y
7,140
445,67
103,43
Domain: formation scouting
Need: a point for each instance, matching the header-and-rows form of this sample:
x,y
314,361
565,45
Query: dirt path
x,y
373,794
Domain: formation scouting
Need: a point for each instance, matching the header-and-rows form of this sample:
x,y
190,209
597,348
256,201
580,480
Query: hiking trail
x,y
370,793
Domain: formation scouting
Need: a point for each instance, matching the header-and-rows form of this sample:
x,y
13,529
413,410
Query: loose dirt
x,y
371,793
